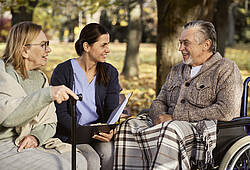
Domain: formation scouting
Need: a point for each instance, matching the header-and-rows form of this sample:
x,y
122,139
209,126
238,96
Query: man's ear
x,y
85,46
207,44
24,52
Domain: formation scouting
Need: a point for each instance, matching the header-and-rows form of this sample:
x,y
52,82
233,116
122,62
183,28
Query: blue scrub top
x,y
85,109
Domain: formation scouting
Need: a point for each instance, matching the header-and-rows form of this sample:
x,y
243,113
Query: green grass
x,y
240,54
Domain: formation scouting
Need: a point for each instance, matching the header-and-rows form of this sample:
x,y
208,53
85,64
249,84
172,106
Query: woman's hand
x,y
28,142
104,137
62,93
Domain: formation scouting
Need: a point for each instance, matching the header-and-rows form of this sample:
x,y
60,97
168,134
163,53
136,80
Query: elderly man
x,y
180,129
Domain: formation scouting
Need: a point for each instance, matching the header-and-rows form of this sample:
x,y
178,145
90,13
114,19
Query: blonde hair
x,y
20,34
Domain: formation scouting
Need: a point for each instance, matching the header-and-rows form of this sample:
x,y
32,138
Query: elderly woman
x,y
27,111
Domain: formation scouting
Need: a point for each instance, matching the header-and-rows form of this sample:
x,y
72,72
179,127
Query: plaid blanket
x,y
169,145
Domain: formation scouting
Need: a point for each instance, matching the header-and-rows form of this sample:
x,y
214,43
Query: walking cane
x,y
73,131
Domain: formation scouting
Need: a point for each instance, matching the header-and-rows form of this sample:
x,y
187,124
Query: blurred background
x,y
144,34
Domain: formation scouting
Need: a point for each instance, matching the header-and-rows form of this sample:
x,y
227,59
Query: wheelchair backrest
x,y
245,98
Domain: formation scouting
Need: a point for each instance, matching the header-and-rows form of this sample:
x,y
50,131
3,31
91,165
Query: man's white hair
x,y
205,30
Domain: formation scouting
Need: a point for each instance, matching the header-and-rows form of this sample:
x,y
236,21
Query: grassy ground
x,y
142,87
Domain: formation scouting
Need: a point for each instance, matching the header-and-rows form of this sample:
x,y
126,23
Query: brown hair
x,y
90,34
20,34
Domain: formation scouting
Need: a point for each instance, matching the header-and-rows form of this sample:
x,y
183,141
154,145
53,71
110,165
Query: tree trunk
x,y
23,13
231,23
61,33
131,62
71,36
172,15
221,24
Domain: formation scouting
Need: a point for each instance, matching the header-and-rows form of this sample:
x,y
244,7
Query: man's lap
x,y
138,141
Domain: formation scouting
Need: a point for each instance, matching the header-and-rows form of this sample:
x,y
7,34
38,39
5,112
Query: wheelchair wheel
x,y
238,156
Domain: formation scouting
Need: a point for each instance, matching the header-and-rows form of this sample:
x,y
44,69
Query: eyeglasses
x,y
44,45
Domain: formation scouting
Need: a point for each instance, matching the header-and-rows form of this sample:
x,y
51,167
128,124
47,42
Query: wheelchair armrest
x,y
236,122
143,111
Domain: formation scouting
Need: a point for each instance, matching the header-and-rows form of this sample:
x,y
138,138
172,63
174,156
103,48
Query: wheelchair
x,y
232,150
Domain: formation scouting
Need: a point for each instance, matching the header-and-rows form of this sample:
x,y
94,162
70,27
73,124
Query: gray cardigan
x,y
213,94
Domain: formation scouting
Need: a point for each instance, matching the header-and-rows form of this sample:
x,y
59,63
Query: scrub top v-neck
x,y
85,109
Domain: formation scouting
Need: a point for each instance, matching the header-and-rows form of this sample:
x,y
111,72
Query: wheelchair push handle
x,y
73,129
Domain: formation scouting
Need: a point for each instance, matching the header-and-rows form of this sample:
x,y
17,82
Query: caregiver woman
x,y
97,81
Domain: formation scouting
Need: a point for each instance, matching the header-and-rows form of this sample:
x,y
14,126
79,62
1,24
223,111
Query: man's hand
x,y
104,137
28,142
62,93
163,118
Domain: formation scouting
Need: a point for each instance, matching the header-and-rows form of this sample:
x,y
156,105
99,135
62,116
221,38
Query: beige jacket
x,y
213,94
11,95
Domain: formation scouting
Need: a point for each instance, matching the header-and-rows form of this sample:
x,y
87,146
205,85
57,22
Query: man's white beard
x,y
189,61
